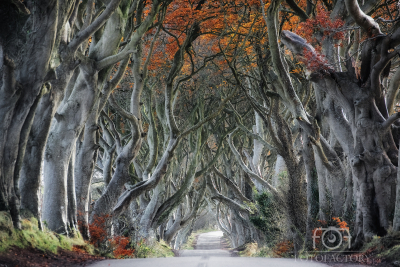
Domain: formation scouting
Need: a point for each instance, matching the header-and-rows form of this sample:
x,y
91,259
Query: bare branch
x,y
363,20
245,168
227,201
122,111
211,116
84,34
386,124
111,60
298,10
231,185
114,131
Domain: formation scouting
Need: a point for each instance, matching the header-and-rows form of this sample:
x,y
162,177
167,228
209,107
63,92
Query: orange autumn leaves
x,y
235,26
218,22
283,249
322,23
118,244
121,248
340,225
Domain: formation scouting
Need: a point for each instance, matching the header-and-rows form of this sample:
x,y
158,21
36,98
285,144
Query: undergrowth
x,y
153,249
385,248
122,246
281,249
31,236
47,241
250,250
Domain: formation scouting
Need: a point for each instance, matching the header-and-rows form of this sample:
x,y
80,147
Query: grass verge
x,y
153,250
31,236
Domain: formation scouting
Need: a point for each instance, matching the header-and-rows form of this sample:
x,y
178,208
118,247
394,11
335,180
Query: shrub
x,y
142,250
98,229
283,249
267,218
121,247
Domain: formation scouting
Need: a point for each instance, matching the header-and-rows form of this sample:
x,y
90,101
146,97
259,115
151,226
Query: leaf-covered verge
x,y
153,250
33,247
31,236
380,251
384,249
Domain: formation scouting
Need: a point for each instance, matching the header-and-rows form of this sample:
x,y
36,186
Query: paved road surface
x,y
208,253
208,245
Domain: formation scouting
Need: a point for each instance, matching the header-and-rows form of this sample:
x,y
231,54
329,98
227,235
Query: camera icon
x,y
331,237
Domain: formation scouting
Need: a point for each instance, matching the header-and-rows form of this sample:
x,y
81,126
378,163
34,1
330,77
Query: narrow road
x,y
208,245
208,253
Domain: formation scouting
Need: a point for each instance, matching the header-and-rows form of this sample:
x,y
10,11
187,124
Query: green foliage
x,y
264,252
153,250
283,175
142,250
250,250
205,230
189,243
251,206
161,250
267,219
31,236
386,248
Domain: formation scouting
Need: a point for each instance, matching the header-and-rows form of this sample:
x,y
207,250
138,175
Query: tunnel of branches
x,y
152,119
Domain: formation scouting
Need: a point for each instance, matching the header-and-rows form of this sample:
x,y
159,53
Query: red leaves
x,y
98,229
282,248
321,22
315,62
98,235
340,224
78,249
121,247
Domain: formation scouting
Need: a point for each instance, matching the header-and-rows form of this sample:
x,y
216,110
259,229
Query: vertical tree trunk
x,y
17,101
72,212
150,211
279,171
32,168
70,120
174,227
85,163
396,219
312,189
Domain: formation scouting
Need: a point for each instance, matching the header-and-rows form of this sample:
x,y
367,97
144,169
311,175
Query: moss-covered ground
x,y
31,236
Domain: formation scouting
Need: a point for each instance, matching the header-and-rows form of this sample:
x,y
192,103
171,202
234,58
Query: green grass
x,y
154,250
31,236
387,247
189,243
161,250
